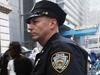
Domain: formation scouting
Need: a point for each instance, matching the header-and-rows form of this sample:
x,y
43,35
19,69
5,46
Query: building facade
x,y
5,9
15,21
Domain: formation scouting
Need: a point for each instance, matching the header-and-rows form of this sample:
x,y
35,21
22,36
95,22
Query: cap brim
x,y
32,16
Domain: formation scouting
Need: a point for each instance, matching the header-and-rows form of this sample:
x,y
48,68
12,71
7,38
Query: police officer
x,y
59,56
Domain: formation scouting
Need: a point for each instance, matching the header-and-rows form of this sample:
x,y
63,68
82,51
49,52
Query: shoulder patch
x,y
60,61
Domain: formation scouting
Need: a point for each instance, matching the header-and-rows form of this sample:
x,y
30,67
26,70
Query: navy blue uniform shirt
x,y
61,56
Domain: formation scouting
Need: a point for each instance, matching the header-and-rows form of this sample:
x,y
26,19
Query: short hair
x,y
15,45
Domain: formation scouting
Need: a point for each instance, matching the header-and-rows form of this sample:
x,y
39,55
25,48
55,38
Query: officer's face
x,y
40,28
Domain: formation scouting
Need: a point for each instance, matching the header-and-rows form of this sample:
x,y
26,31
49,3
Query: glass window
x,y
4,16
4,29
4,23
3,1
61,5
3,49
4,43
99,39
93,41
59,0
4,36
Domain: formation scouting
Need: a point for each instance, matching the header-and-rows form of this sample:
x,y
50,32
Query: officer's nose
x,y
29,28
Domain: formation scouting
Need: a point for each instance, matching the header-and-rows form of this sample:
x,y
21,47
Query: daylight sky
x,y
94,4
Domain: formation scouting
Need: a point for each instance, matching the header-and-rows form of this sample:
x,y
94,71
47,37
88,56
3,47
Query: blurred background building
x,y
5,9
82,22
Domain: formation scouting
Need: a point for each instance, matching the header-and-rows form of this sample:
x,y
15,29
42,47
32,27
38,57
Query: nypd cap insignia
x,y
60,61
47,8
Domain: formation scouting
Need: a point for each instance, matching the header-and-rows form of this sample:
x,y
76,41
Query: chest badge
x,y
60,61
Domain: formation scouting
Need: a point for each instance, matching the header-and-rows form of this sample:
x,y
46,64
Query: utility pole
x,y
0,44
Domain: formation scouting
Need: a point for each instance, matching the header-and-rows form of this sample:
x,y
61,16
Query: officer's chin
x,y
35,39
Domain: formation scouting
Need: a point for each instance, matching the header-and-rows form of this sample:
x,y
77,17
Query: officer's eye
x,y
35,22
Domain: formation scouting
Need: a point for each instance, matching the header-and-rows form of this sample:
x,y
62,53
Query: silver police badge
x,y
60,61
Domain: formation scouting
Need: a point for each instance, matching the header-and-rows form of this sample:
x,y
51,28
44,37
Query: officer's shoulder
x,y
62,41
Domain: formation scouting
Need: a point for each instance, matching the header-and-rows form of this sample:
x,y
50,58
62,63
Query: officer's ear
x,y
53,23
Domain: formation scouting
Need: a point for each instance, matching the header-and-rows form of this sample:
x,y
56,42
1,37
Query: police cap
x,y
47,8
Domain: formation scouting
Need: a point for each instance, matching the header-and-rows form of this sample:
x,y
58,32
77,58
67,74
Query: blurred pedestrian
x,y
93,57
3,63
97,65
19,65
59,56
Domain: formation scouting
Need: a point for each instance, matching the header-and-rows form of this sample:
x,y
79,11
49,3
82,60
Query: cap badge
x,y
45,13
